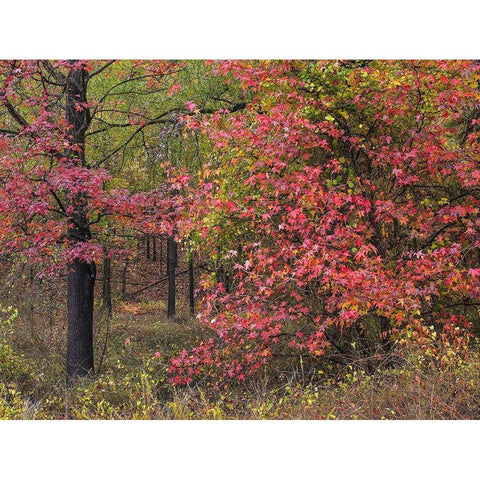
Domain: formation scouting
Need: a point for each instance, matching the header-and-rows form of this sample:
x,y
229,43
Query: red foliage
x,y
356,198
38,179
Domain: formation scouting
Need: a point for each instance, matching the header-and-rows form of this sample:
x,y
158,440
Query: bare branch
x,y
101,69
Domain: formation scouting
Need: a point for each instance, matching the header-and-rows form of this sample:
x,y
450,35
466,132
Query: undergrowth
x,y
132,382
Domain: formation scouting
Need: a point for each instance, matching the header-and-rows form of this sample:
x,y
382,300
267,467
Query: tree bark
x,y
107,285
81,274
124,279
191,285
387,344
81,281
171,264
107,302
29,317
221,273
160,262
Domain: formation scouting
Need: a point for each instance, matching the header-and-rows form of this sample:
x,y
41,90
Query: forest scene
x,y
240,239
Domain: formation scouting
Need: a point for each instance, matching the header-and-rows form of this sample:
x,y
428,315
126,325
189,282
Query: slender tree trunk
x,y
219,273
191,285
387,344
81,275
154,248
171,264
107,303
148,246
365,348
107,285
29,317
175,246
160,262
124,279
226,281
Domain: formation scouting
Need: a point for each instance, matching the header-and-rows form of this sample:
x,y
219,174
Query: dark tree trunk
x,y
107,285
107,303
219,270
191,285
29,317
175,246
148,246
160,262
226,282
81,281
81,274
171,264
387,344
124,279
154,248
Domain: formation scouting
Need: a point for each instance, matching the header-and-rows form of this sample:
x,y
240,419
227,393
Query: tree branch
x,y
101,69
13,113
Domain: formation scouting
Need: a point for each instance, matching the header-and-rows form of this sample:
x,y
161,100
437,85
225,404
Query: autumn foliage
x,y
335,203
40,179
344,201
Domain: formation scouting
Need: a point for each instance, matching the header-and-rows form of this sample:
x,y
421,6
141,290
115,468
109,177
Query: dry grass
x,y
132,381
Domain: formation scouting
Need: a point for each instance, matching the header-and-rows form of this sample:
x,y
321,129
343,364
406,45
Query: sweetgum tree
x,y
350,192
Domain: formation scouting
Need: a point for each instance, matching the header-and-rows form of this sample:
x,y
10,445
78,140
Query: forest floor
x,y
132,381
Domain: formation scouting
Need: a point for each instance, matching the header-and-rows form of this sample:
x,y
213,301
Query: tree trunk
x,y
171,264
191,285
29,317
160,262
107,285
221,274
154,248
81,274
107,303
387,344
124,279
148,246
81,281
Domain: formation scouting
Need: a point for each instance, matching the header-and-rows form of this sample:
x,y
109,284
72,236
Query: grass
x,y
132,381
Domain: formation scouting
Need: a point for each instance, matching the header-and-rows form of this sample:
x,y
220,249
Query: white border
x,y
238,449
243,29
